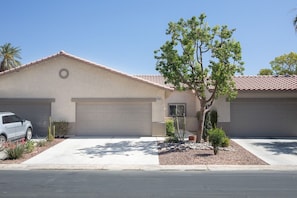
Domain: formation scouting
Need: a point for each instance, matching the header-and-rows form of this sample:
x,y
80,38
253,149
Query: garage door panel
x,y
114,119
263,118
38,114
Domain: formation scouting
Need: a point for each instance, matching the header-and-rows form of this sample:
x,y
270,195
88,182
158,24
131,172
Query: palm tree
x,y
9,56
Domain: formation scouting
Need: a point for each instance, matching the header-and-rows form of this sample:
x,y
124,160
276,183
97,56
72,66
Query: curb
x,y
194,168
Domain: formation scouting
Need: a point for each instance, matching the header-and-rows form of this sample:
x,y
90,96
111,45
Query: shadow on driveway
x,y
278,148
124,148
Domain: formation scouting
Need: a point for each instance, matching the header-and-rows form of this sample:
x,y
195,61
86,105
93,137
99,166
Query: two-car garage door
x,y
37,111
263,117
113,118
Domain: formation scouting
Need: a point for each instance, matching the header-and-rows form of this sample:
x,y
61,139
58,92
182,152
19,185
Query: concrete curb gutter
x,y
149,167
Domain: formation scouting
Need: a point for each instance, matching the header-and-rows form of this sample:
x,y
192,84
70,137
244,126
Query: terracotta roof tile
x,y
248,82
282,82
153,78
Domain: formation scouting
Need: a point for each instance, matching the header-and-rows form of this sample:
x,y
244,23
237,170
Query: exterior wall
x,y
42,80
223,108
191,102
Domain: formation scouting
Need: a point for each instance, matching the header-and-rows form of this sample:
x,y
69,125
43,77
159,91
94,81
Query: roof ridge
x,y
63,53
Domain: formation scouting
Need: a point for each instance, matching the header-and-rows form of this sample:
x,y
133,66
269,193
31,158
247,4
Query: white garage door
x,y
116,119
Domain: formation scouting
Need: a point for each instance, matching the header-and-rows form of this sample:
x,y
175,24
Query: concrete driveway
x,y
272,151
100,151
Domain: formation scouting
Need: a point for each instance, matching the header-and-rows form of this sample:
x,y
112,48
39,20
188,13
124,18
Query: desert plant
x,y
213,116
170,128
51,131
41,143
226,142
15,150
62,128
210,122
29,146
172,139
180,126
216,138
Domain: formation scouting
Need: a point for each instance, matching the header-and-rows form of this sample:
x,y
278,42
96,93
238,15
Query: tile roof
x,y
62,53
255,83
281,82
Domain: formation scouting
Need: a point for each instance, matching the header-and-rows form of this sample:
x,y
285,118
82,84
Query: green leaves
x,y
9,56
285,64
200,57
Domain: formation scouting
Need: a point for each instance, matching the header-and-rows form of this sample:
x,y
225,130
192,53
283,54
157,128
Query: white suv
x,y
12,127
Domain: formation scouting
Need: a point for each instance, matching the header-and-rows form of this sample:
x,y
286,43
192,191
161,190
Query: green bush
x,y
172,139
226,142
15,150
216,138
29,146
213,114
61,127
170,128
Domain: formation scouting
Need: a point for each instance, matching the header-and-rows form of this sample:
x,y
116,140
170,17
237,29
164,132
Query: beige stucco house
x,y
97,100
265,106
94,99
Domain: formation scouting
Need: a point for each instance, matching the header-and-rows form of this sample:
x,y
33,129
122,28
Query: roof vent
x,y
287,75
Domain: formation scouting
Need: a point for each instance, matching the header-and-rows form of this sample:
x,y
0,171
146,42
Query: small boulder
x,y
3,155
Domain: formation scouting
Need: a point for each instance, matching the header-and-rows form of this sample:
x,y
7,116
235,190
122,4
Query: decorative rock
x,y
185,146
3,155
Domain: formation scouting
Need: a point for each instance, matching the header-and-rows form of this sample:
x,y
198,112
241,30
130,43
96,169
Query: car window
x,y
11,119
6,119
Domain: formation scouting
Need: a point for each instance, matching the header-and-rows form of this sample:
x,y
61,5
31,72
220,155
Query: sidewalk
x,y
150,167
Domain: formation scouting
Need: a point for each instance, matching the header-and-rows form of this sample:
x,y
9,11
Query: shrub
x,y
41,143
210,122
61,127
29,146
213,114
226,142
170,128
15,150
216,138
172,139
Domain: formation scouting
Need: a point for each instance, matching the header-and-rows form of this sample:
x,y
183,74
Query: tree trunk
x,y
201,120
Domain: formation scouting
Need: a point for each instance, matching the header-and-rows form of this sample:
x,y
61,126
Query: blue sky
x,y
124,34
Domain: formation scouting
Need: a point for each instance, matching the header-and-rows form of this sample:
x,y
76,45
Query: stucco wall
x,y
42,80
191,102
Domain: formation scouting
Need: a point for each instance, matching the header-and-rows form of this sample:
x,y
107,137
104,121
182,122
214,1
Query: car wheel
x,y
2,142
29,134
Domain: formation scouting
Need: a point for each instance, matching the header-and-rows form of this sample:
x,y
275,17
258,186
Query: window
x,y
11,119
177,110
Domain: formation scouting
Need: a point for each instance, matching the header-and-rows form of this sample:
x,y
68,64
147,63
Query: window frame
x,y
176,107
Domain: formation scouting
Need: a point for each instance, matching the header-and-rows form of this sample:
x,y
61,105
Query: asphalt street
x,y
147,184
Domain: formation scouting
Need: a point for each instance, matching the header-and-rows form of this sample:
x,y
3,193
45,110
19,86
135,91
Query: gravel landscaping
x,y
202,154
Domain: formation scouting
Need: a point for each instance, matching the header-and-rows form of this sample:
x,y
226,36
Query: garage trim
x,y
26,100
81,100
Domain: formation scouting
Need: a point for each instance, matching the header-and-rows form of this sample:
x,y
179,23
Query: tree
x,y
9,56
285,64
201,59
265,71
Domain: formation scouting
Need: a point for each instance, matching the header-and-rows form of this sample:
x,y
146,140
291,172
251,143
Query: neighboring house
x,y
265,106
97,100
94,99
